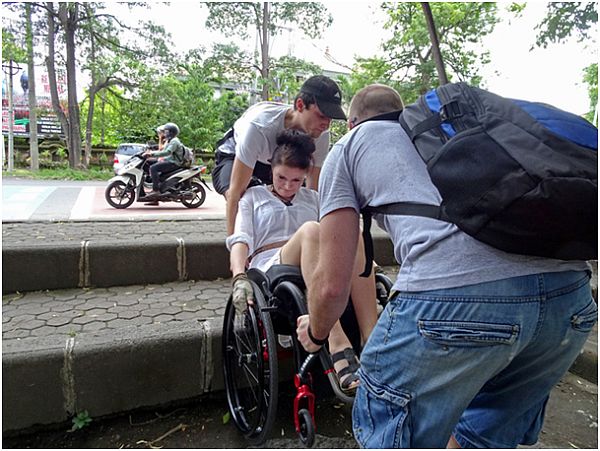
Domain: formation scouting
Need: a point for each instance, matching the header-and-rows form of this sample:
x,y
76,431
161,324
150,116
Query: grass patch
x,y
62,174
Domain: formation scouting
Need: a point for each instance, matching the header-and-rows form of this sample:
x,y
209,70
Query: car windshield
x,y
130,149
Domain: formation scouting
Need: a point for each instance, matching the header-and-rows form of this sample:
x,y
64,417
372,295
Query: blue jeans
x,y
477,361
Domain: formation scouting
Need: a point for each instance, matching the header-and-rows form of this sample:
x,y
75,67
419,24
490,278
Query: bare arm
x,y
240,177
312,181
238,257
330,288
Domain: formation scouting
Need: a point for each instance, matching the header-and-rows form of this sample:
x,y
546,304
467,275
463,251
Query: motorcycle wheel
x,y
119,195
199,196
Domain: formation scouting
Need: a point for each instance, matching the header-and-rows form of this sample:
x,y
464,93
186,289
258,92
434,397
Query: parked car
x,y
124,152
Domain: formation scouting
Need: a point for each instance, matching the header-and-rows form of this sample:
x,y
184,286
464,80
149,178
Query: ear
x,y
300,105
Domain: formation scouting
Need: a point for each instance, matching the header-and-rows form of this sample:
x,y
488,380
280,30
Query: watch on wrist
x,y
316,340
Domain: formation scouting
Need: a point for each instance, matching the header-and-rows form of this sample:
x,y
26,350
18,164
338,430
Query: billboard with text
x,y
47,123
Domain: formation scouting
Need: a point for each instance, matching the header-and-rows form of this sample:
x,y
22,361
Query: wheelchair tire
x,y
383,288
250,368
307,428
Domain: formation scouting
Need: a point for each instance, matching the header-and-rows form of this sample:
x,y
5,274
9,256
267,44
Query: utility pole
x,y
10,69
435,44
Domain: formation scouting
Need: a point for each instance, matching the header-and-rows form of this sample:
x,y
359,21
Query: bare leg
x,y
363,295
452,443
303,250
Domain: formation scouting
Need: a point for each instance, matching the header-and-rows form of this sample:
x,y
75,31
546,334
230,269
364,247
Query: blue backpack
x,y
517,175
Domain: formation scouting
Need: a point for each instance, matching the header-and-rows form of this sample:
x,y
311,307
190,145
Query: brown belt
x,y
267,247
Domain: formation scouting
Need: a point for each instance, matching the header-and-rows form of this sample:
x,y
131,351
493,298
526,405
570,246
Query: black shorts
x,y
221,173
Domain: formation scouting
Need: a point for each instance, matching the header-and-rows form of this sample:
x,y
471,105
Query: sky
x,y
553,75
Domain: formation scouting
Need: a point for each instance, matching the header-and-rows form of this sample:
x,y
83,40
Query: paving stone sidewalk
x,y
19,233
74,311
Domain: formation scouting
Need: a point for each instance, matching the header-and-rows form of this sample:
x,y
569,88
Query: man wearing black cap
x,y
246,150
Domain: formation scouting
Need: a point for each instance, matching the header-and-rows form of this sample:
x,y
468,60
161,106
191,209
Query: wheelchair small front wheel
x,y
307,428
250,368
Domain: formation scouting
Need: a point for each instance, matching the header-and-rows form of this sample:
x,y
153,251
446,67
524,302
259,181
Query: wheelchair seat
x,y
275,275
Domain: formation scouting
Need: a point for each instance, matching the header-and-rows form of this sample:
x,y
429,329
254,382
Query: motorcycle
x,y
184,185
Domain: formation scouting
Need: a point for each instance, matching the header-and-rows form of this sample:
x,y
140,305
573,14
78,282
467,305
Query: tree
x,y
435,44
287,75
266,19
460,27
33,138
111,62
591,80
65,18
565,19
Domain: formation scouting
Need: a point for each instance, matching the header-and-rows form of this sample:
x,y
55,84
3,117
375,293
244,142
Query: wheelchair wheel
x,y
250,368
307,428
383,288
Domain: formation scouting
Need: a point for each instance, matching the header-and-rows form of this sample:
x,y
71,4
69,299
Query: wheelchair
x,y
250,353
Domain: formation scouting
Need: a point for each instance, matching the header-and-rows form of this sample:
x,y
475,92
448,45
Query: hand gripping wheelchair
x,y
250,353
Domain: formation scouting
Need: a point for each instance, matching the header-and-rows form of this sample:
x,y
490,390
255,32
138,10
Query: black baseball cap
x,y
327,94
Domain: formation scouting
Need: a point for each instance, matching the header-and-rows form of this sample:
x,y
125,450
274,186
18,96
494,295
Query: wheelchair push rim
x,y
250,368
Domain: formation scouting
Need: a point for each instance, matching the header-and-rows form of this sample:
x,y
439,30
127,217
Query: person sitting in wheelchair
x,y
277,224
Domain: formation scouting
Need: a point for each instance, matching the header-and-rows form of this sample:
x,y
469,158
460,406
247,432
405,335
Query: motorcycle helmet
x,y
171,130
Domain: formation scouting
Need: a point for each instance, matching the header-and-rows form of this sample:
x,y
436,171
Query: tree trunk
x,y
435,44
68,17
264,48
56,106
92,98
33,138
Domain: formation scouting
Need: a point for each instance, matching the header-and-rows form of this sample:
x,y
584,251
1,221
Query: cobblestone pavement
x,y
74,311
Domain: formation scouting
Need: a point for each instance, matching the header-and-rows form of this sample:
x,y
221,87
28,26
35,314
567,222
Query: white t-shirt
x,y
255,135
263,219
376,164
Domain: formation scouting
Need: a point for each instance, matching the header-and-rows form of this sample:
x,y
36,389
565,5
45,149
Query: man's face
x,y
314,122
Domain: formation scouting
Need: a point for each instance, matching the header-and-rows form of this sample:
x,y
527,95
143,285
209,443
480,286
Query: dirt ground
x,y
571,422
195,425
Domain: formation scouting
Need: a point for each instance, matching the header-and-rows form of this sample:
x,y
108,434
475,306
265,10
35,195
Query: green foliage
x,y
237,17
367,71
590,78
64,173
337,130
460,27
229,107
287,75
226,417
81,420
565,19
11,49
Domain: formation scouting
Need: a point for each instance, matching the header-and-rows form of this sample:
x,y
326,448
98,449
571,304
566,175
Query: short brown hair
x,y
373,100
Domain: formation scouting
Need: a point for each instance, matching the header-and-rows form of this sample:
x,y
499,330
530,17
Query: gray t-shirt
x,y
255,135
377,164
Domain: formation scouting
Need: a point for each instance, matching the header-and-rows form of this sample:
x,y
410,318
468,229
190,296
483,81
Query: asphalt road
x,y
48,200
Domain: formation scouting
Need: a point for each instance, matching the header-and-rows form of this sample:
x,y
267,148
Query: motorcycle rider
x,y
173,154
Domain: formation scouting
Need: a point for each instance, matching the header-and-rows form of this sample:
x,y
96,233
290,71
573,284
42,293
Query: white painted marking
x,y
84,203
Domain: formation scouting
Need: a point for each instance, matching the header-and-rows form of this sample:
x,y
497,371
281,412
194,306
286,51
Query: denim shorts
x,y
477,362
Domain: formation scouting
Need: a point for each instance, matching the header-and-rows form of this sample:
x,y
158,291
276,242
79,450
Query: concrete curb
x,y
50,380
105,264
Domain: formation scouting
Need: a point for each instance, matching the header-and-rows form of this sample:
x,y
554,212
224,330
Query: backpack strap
x,y
396,208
